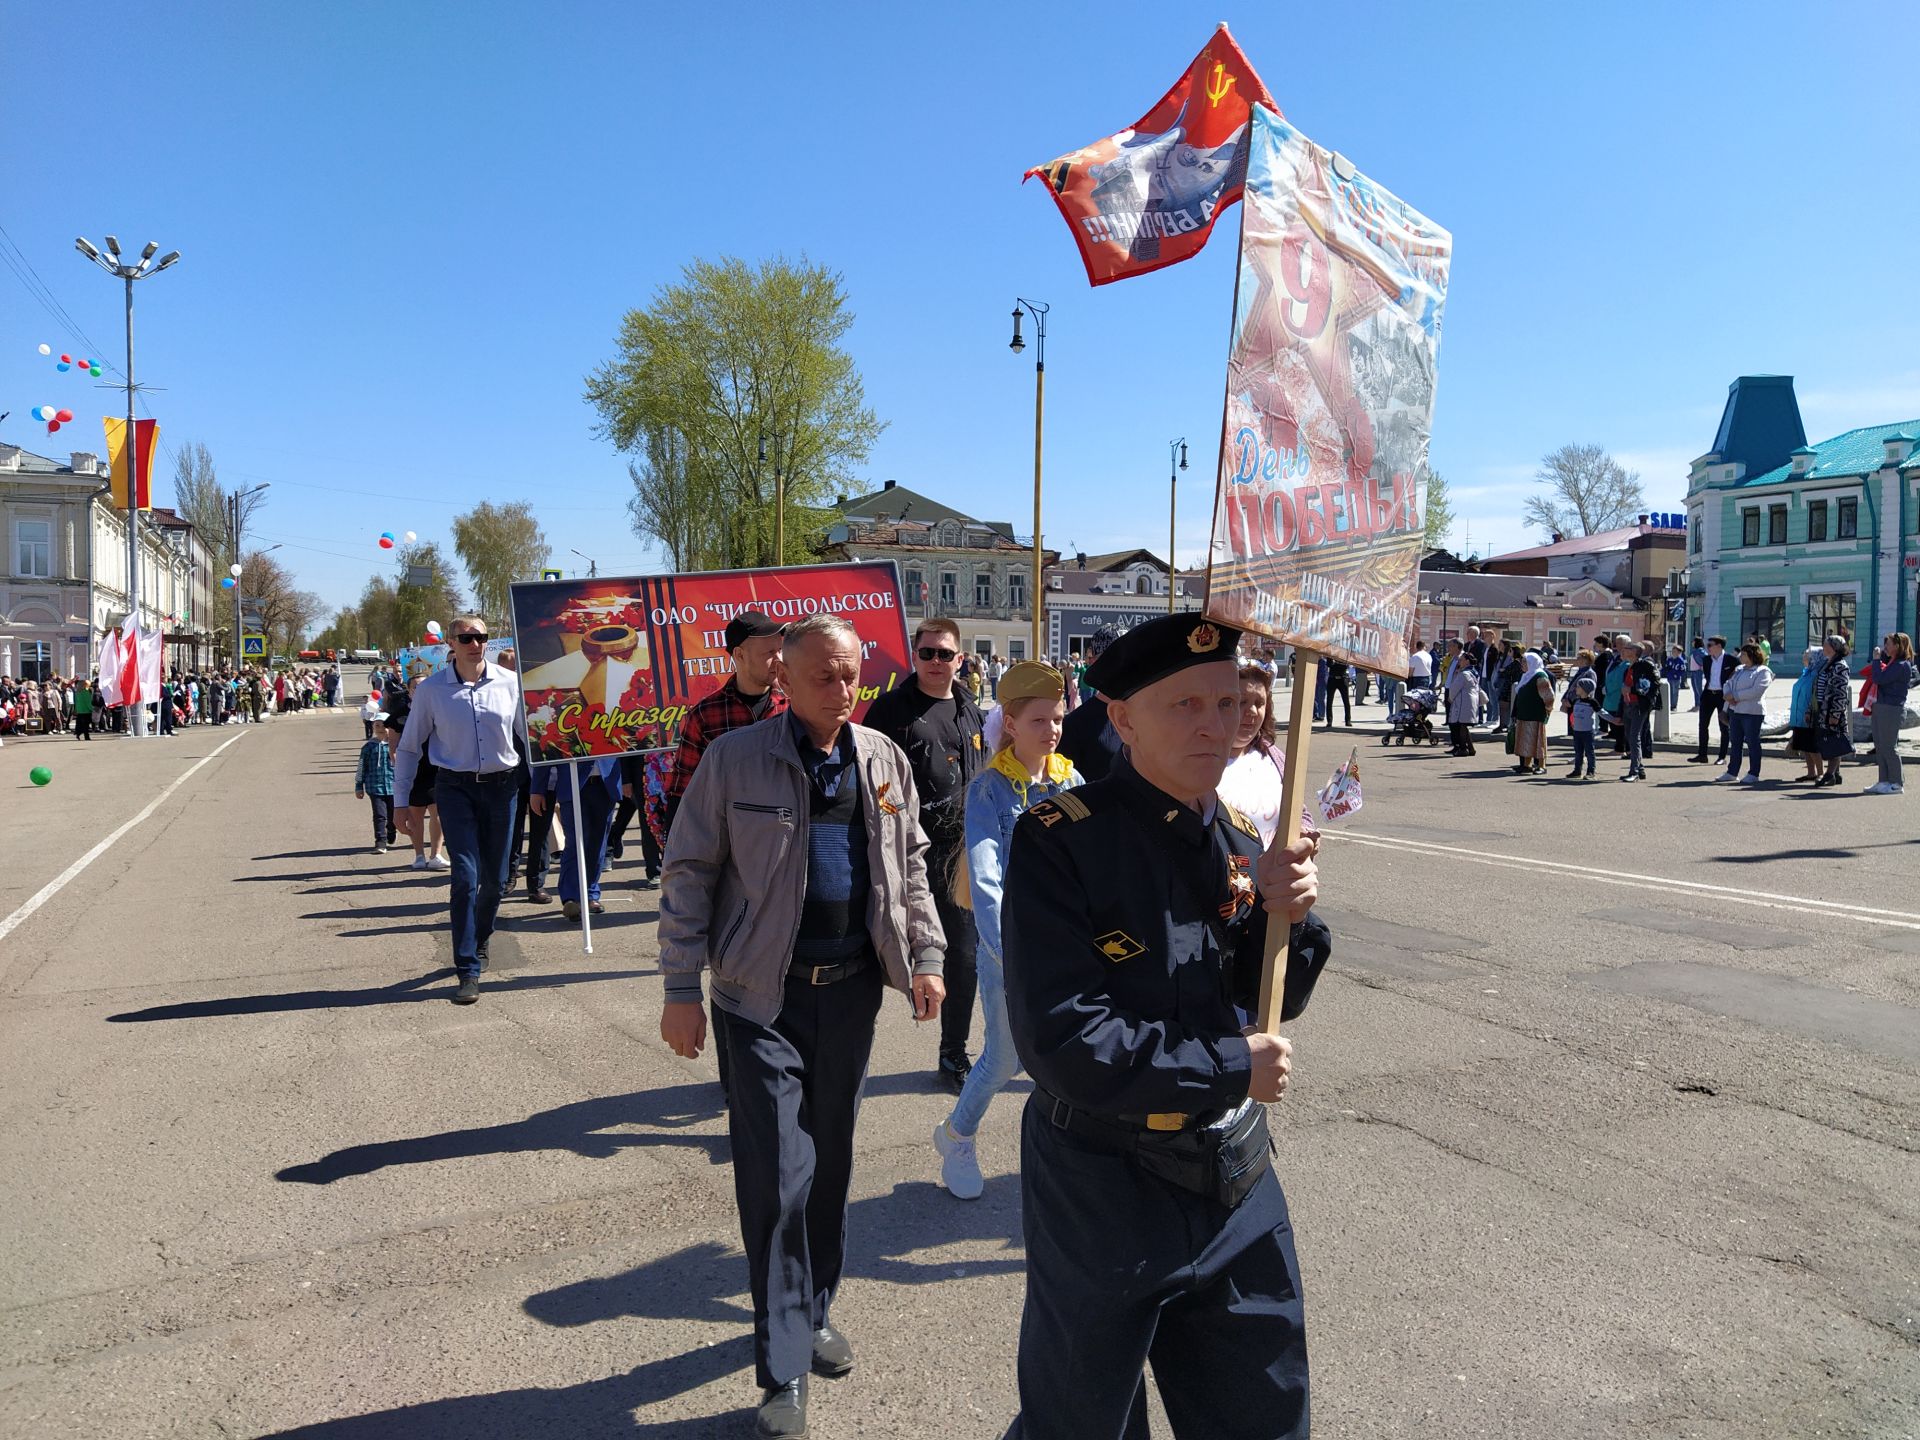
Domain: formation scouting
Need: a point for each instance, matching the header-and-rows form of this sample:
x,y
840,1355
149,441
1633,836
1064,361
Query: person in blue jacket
x,y
599,798
1133,921
1026,769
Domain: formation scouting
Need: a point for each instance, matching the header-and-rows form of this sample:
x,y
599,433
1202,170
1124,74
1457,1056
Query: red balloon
x,y
86,364
52,425
64,416
66,359
385,544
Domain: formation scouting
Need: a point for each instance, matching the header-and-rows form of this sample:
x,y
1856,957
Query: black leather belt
x,y
481,777
827,974
1125,1128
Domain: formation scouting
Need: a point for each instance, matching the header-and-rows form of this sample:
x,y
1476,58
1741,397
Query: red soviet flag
x,y
1147,197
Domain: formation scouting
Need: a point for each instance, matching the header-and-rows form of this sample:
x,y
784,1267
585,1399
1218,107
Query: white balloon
x,y
46,349
234,570
411,537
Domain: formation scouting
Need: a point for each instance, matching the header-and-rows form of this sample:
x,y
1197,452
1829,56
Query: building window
x,y
1849,528
1831,615
983,591
33,549
1564,642
1816,521
1017,590
1016,651
36,658
1776,524
916,585
1694,528
1765,616
1749,527
949,589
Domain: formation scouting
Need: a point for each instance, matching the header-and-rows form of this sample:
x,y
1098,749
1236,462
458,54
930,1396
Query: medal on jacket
x,y
1239,887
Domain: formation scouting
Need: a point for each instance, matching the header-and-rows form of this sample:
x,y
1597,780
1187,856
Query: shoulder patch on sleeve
x,y
1240,822
1064,806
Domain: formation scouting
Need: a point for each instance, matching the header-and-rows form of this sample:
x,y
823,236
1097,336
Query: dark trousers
x,y
963,979
1639,723
382,818
369,725
539,839
589,833
83,725
1343,690
476,822
1713,702
790,1117
649,847
1123,1269
1582,751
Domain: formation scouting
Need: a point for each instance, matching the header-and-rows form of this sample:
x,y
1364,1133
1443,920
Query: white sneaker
x,y
440,862
379,849
959,1166
419,862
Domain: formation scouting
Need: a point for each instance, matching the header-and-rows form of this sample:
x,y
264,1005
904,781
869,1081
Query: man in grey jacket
x,y
796,872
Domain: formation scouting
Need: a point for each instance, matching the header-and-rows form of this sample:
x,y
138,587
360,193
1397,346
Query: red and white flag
x,y
110,669
149,666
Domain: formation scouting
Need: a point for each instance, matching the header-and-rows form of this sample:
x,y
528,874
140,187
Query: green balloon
x,y
95,372
40,775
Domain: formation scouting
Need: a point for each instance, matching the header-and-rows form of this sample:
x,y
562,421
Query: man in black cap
x,y
748,697
1134,926
1086,738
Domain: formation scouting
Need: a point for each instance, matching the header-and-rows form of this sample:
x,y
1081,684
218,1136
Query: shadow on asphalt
x,y
312,854
400,992
1809,854
596,1129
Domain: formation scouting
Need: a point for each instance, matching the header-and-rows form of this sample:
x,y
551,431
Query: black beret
x,y
1160,648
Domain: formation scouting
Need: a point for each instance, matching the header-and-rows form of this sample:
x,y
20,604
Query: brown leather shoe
x,y
539,897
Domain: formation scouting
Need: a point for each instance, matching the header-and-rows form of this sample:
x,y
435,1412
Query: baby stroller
x,y
1413,720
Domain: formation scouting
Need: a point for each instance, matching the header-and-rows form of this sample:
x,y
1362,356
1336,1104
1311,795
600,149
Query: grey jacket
x,y
735,871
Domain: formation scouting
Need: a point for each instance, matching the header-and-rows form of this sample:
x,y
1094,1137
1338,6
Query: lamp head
x,y
85,247
113,247
1016,344
152,245
1183,454
166,260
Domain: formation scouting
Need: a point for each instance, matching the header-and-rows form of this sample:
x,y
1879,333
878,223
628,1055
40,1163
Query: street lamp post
x,y
130,272
1176,450
1038,311
593,567
234,518
1445,597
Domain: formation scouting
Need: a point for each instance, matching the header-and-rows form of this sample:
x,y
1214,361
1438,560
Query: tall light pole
x,y
1445,598
130,272
593,568
1038,311
1176,450
234,519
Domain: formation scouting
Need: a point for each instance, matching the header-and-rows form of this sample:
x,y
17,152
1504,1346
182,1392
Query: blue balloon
x,y
226,582
63,366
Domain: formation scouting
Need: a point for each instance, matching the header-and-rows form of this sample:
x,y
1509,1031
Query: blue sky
x,y
409,230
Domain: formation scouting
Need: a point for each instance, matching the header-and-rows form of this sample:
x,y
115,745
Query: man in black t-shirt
x,y
939,726
1088,738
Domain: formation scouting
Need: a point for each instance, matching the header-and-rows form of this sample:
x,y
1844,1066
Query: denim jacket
x,y
997,797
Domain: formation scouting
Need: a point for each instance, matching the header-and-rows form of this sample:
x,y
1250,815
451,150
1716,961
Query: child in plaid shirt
x,y
374,780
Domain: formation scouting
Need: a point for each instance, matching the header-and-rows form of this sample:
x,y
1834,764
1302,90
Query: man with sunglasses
x,y
939,725
463,721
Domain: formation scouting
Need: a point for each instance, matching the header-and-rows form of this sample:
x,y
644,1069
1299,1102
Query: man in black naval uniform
x,y
1134,925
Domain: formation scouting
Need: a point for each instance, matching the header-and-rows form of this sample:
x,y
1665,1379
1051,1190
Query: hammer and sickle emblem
x,y
1220,85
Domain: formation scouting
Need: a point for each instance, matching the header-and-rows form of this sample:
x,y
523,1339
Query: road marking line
x,y
59,882
1866,915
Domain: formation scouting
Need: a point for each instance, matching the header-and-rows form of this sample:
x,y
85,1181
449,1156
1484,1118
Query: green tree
x,y
414,605
1439,511
378,615
499,544
732,377
1587,491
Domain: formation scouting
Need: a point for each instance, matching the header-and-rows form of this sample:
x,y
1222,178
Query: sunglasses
x,y
935,652
471,637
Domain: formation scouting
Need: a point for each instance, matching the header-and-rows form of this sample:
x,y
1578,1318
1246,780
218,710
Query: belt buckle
x,y
818,971
1058,1106
1168,1120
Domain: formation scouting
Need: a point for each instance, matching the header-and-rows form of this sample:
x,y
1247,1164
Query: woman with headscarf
x,y
1804,738
1462,685
1833,704
1532,704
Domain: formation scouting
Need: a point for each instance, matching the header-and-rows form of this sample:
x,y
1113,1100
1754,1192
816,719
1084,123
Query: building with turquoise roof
x,y
1795,541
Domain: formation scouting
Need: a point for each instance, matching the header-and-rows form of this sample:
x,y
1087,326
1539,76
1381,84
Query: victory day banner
x,y
1147,197
609,666
1318,518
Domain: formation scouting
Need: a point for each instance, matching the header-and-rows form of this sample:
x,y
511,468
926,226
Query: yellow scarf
x,y
1059,769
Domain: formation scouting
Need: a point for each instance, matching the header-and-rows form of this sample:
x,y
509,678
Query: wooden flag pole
x,y
1293,792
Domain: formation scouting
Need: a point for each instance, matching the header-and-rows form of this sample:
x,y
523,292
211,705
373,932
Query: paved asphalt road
x,y
1604,1125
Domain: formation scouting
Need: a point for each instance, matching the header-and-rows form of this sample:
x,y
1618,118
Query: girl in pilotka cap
x,y
1026,769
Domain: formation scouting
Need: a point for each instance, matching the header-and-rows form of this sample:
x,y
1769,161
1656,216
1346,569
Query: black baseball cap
x,y
751,625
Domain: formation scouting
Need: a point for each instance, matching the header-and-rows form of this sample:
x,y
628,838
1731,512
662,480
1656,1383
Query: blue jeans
x,y
476,821
1673,692
1389,692
1639,738
1697,680
1582,751
1746,736
592,834
998,1062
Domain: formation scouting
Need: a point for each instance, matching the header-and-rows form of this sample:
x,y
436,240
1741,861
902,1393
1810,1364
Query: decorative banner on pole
x,y
146,433
1318,519
608,666
1147,197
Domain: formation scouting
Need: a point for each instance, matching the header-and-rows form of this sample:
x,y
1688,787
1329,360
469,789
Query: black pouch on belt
x,y
1222,1160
